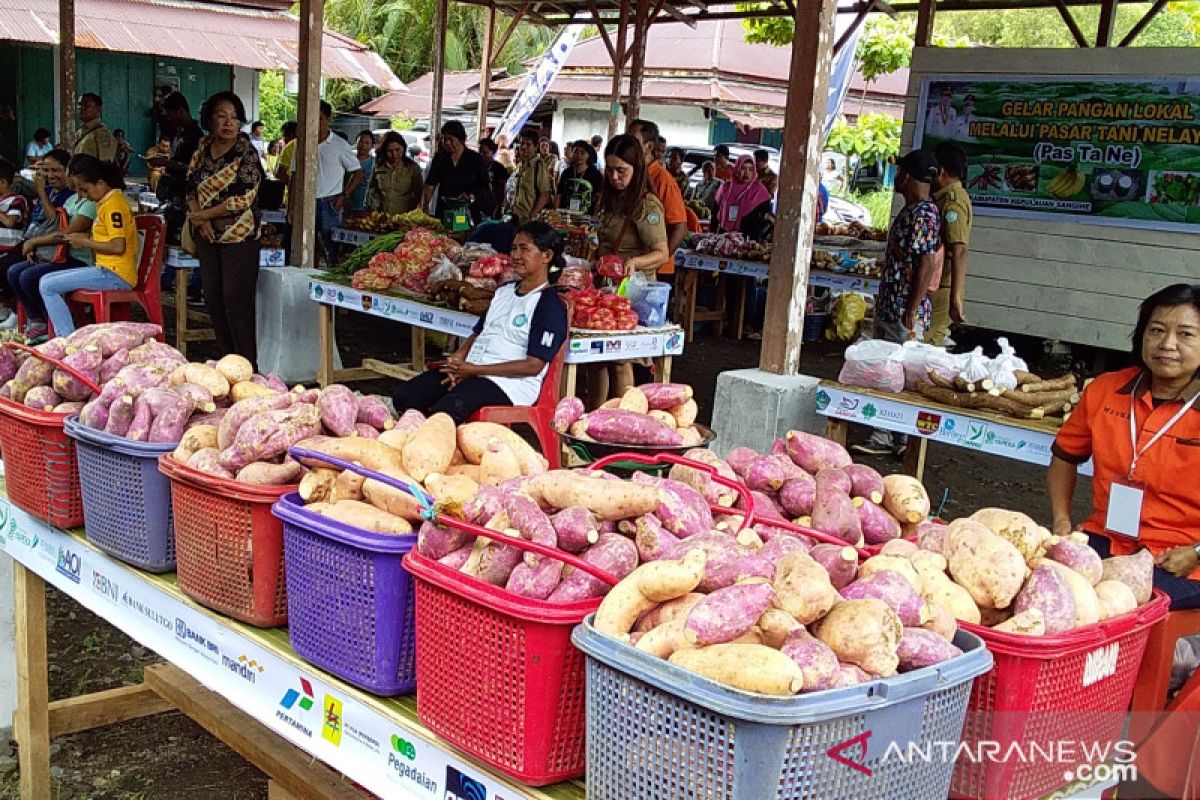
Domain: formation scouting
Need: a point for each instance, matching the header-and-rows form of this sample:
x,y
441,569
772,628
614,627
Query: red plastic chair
x,y
537,416
116,305
1154,675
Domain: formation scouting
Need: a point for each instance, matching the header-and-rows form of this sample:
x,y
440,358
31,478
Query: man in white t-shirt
x,y
335,161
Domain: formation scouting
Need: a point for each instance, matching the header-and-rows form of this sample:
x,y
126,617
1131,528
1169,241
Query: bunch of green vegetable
x,y
358,259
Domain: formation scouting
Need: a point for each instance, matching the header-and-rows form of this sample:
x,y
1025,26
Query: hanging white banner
x,y
537,83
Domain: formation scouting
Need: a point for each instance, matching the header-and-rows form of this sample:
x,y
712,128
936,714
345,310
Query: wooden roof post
x,y
439,69
303,201
618,72
924,33
641,32
1108,19
66,73
485,73
799,179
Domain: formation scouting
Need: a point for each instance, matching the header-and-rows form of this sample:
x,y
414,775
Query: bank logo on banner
x,y
68,564
294,707
401,758
331,728
463,787
244,667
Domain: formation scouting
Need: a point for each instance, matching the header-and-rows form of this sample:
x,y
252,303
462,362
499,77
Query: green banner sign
x,y
1119,151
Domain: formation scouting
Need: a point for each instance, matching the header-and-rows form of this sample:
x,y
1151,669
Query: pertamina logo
x,y
928,423
331,727
852,753
68,564
294,706
463,787
401,760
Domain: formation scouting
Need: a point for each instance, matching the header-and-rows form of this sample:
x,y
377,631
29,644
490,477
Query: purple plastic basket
x,y
126,500
350,600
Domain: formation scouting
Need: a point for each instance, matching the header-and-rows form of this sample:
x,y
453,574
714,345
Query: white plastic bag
x,y
874,364
975,366
920,359
1002,368
444,270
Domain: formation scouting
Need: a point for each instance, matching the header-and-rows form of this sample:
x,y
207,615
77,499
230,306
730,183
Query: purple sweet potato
x,y
1046,590
921,648
814,453
790,470
764,474
850,675
112,365
438,541
701,481
153,351
683,511
94,414
653,541
740,459
798,495
338,408
267,435
576,528
207,460
1135,571
1078,555
171,420
6,391
243,410
68,407
818,663
305,395
728,613
87,362
720,569
894,590
661,396
836,478
934,537
841,562
55,348
615,426
273,381
567,413
865,482
527,517
765,507
410,420
366,431
834,513
614,554
878,526
139,377
779,546
753,565
33,372
213,417
374,412
458,558
536,583
143,416
200,397
8,365
486,504
43,398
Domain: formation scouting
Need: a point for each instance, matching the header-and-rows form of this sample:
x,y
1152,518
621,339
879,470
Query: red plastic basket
x,y
39,458
228,544
1042,689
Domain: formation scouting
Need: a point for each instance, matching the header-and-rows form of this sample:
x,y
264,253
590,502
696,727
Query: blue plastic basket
x,y
350,600
126,500
659,732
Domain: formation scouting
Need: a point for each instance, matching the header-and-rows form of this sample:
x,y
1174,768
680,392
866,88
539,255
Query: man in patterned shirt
x,y
902,307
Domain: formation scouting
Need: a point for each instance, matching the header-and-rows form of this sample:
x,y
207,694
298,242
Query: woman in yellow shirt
x,y
113,240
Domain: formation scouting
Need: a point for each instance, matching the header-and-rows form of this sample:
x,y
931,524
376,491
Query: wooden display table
x,y
183,264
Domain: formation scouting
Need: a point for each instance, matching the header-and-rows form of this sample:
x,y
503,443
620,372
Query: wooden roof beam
x,y
678,15
1141,24
855,24
1108,20
1071,24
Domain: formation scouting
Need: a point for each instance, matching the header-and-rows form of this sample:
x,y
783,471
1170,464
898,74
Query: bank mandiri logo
x,y
292,698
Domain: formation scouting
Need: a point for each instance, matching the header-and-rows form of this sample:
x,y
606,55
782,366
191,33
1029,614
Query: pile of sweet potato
x,y
650,415
1001,569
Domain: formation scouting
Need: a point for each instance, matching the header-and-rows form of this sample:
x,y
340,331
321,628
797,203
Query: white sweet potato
x,y
634,400
1115,598
431,447
606,499
749,667
473,439
1135,571
1019,529
898,564
987,566
905,498
648,585
865,633
803,587
1030,622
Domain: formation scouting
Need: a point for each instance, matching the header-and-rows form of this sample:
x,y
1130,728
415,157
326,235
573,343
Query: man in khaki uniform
x,y
532,177
94,139
954,206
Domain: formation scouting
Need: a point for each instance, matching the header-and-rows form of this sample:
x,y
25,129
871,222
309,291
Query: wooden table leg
x,y
664,369
325,344
688,317
183,277
739,313
31,723
418,349
720,305
569,379
914,456
836,430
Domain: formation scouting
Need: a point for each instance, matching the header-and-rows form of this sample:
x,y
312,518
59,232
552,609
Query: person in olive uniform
x,y
532,181
954,207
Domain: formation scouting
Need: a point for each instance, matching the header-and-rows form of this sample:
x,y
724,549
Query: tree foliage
x,y
275,106
875,137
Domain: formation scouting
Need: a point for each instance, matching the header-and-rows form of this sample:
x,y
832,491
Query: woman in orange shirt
x,y
1142,491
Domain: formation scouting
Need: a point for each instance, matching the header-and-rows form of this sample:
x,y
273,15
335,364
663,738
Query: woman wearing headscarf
x,y
743,203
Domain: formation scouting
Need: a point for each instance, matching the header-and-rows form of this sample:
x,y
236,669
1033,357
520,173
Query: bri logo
x,y
292,698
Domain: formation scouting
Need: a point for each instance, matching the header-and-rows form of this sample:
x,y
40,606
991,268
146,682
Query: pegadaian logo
x,y
401,760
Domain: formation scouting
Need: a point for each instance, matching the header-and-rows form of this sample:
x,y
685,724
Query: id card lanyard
x,y
1125,498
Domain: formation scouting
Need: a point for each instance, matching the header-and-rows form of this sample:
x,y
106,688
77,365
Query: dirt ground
x,y
170,758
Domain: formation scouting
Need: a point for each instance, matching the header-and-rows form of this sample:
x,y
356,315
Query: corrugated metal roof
x,y
417,100
219,34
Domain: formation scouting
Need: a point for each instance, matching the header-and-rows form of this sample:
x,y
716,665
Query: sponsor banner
x,y
620,346
1113,151
836,281
938,425
364,742
347,236
397,309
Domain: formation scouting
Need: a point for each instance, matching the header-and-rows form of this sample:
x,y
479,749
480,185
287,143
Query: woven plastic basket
x,y
1074,686
228,545
659,732
39,465
364,631
126,500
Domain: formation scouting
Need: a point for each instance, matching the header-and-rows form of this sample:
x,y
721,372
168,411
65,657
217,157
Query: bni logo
x,y
463,787
292,698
